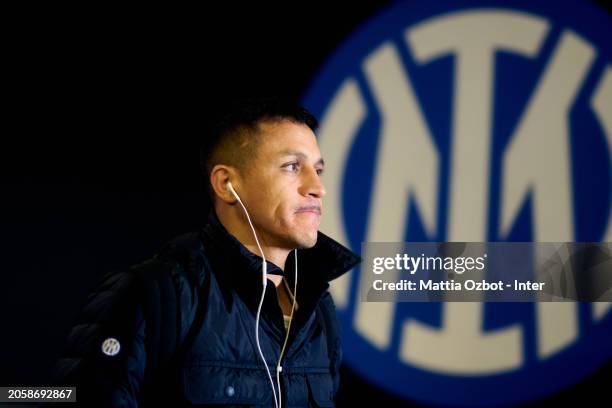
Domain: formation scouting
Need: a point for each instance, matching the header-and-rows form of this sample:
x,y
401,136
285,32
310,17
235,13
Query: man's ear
x,y
219,176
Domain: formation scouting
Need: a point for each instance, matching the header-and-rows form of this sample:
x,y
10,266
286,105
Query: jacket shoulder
x,y
104,311
104,350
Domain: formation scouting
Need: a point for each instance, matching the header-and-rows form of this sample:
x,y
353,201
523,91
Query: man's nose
x,y
312,184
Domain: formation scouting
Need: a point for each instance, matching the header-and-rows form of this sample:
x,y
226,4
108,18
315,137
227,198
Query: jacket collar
x,y
325,261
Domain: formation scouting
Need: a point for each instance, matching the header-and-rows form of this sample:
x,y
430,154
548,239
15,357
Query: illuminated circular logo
x,y
470,121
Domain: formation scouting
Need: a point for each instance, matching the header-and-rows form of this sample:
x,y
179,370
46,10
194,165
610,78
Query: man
x,y
207,321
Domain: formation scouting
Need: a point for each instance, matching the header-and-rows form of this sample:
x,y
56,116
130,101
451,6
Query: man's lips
x,y
315,209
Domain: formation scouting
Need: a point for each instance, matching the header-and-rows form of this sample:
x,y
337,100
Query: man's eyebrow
x,y
300,155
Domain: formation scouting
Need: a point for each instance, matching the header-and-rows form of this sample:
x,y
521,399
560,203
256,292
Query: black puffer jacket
x,y
183,329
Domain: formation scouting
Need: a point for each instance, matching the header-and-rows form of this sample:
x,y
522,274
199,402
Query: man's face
x,y
282,189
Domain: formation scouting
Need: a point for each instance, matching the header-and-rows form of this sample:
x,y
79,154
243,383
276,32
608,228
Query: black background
x,y
104,111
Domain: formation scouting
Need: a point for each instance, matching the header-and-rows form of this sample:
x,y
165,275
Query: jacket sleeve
x,y
104,356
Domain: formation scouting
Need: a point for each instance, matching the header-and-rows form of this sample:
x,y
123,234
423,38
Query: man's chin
x,y
305,242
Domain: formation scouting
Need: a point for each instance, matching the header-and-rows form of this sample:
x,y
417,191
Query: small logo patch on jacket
x,y
111,346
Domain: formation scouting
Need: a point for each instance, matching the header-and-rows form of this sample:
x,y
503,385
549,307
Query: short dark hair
x,y
232,138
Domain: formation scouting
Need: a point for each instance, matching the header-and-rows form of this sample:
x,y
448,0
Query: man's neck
x,y
276,279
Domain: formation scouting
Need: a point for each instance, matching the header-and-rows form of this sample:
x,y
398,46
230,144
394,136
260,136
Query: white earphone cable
x,y
263,294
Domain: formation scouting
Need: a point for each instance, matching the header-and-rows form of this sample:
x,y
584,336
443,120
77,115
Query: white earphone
x,y
264,274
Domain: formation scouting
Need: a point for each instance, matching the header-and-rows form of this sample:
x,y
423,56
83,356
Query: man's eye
x,y
319,171
292,166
